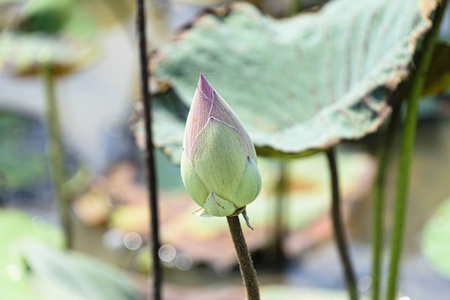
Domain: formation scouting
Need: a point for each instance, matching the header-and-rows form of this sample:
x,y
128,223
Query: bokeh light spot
x,y
183,261
132,240
167,252
14,272
364,283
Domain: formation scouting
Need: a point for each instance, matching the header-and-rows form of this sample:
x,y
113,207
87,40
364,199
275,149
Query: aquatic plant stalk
x,y
54,148
245,261
149,157
280,201
379,200
294,7
338,227
409,133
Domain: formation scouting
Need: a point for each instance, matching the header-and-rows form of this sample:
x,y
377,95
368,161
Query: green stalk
x,y
245,260
54,147
407,147
338,227
379,201
280,201
294,7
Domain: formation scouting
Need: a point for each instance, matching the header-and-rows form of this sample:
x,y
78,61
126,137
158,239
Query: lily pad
x,y
436,242
298,84
60,275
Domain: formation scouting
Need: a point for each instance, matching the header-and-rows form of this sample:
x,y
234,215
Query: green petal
x,y
216,206
220,157
194,185
249,187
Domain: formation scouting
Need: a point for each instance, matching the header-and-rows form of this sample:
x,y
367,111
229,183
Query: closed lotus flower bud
x,y
218,165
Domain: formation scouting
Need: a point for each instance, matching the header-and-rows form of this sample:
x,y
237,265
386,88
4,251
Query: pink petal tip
x,y
205,87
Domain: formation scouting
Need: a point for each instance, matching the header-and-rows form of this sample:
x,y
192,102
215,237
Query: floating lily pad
x,y
297,84
436,241
60,275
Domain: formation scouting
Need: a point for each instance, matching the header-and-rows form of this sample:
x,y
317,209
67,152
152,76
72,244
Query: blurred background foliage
x,y
92,54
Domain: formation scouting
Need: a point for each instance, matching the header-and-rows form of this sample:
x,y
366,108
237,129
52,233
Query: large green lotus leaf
x,y
69,17
59,32
169,118
302,83
14,227
436,241
45,15
275,292
60,275
21,53
438,76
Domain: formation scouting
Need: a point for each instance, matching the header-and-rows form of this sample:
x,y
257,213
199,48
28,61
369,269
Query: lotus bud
x,y
218,164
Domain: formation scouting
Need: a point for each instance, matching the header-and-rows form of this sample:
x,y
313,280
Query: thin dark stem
x,y
379,200
338,227
408,139
245,260
56,156
150,162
